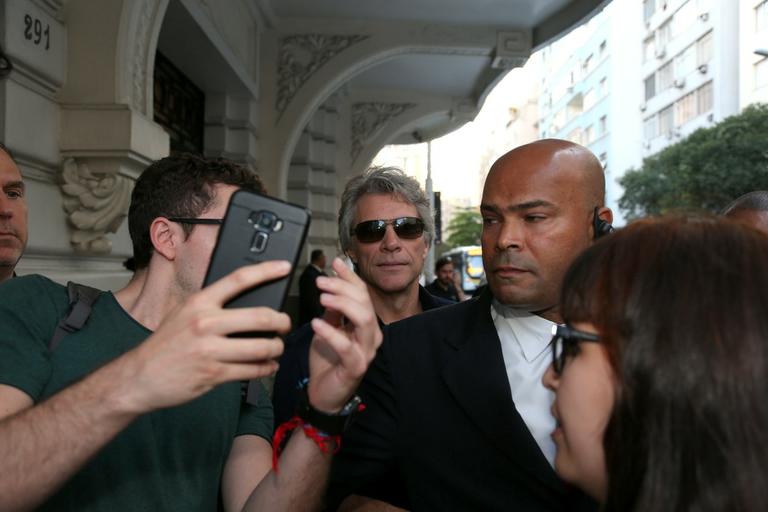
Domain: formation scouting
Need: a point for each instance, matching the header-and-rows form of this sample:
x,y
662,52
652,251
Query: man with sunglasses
x,y
456,405
385,228
142,408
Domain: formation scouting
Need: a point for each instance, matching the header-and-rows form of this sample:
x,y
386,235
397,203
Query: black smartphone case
x,y
256,229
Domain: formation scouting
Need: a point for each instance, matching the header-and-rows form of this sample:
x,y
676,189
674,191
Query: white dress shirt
x,y
525,341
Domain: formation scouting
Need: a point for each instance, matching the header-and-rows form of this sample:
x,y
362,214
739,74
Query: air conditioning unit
x,y
661,52
711,117
679,83
704,16
643,106
703,69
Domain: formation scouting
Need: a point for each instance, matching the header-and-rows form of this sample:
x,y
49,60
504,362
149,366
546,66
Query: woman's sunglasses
x,y
407,228
565,344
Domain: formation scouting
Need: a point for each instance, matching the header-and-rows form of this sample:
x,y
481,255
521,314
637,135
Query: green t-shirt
x,y
171,459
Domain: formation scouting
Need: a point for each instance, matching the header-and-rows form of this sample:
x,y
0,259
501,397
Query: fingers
x,y
228,321
349,355
232,372
247,350
244,278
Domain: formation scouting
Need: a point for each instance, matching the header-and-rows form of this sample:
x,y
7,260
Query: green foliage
x,y
706,170
464,228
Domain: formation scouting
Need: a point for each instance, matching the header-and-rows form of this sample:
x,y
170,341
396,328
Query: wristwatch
x,y
331,424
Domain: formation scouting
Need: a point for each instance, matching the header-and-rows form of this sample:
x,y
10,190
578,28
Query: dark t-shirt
x,y
171,459
438,291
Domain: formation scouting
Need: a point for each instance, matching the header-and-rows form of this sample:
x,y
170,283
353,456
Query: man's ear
x,y
166,237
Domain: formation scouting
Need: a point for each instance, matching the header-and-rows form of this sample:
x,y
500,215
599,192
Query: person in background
x,y
13,214
660,370
445,285
385,229
309,294
750,209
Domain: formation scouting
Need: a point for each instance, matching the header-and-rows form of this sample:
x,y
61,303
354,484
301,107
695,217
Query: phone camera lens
x,y
267,220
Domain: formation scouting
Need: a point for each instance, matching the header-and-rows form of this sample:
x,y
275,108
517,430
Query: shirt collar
x,y
531,332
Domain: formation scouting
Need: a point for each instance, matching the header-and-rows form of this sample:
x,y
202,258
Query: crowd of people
x,y
599,369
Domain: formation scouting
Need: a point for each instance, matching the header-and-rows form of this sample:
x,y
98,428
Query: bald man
x,y
13,215
455,404
750,209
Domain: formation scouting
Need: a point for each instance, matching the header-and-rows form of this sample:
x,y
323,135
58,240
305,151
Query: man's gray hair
x,y
756,201
382,180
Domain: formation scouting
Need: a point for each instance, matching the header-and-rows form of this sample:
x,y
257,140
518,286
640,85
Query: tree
x,y
706,170
464,228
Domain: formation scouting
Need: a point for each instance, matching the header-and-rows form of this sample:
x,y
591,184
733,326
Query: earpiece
x,y
601,227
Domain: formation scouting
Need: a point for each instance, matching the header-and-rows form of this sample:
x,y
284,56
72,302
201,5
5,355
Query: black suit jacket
x,y
440,415
294,363
309,295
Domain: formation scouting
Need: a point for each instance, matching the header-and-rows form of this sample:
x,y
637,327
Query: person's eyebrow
x,y
537,203
14,184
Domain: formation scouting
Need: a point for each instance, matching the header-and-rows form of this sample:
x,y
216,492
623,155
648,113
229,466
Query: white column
x,y
429,265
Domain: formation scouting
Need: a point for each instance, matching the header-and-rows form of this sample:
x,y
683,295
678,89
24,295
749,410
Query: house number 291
x,y
37,32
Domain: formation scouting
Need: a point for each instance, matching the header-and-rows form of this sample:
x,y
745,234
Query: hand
x,y
190,352
345,342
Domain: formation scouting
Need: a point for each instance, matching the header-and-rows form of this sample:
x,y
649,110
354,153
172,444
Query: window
x,y
604,160
575,136
685,62
601,51
649,6
588,65
575,106
650,87
558,120
666,121
603,126
685,108
761,16
650,127
589,99
649,48
705,98
684,18
589,134
704,49
666,76
761,73
601,88
664,34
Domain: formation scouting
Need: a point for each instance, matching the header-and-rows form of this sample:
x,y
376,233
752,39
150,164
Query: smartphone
x,y
258,228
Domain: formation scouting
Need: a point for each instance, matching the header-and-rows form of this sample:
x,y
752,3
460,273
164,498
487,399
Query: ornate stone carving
x,y
96,204
369,118
140,56
300,56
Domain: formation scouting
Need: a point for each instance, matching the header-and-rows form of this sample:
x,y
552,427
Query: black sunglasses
x,y
565,344
182,220
369,231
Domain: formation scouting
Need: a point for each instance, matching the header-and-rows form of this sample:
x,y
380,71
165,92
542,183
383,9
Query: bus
x,y
468,262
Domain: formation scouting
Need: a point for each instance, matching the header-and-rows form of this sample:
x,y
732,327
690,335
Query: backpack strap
x,y
81,300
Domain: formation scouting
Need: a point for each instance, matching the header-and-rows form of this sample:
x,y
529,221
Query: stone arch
x,y
355,58
140,23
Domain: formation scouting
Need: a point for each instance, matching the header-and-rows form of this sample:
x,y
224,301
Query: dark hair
x,y
757,201
315,255
680,306
443,261
179,186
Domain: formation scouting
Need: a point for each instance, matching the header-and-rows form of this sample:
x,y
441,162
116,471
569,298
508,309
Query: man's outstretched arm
x,y
345,342
41,447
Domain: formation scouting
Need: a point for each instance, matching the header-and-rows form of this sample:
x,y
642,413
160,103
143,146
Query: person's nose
x,y
550,378
511,236
390,242
6,211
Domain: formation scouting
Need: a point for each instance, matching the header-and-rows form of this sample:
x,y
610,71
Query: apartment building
x,y
590,85
753,52
690,68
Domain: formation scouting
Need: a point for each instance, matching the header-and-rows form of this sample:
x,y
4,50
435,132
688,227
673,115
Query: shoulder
x,y
31,288
440,319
